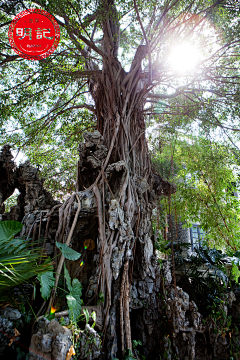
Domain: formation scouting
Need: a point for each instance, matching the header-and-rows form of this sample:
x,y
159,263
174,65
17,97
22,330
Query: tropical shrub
x,y
19,258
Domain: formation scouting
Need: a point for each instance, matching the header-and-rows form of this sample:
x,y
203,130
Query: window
x,y
197,235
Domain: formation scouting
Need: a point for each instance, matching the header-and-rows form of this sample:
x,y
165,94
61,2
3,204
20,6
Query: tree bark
x,y
117,167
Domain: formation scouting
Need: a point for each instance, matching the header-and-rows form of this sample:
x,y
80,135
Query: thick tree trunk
x,y
125,188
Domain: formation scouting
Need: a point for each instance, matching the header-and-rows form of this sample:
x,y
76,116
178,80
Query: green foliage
x,y
128,355
94,317
74,297
205,175
88,336
8,229
85,317
205,278
67,252
235,272
86,314
47,282
100,298
11,201
62,321
18,260
135,344
21,354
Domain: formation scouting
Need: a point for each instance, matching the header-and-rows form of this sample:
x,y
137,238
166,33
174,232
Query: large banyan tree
x,y
111,72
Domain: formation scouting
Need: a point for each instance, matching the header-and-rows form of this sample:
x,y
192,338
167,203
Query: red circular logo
x,y
34,34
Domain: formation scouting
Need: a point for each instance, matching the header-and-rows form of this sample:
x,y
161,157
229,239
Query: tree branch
x,y
147,42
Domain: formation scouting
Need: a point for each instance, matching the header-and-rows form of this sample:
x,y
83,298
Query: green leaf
x,y
135,343
76,293
18,260
235,272
74,297
67,252
129,355
72,303
237,254
85,311
94,316
47,282
229,323
8,229
34,292
67,278
50,316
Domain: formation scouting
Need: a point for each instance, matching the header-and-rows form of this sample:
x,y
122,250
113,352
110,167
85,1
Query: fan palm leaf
x,y
19,260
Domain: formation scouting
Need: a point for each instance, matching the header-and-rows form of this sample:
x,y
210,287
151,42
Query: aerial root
x,y
60,265
124,309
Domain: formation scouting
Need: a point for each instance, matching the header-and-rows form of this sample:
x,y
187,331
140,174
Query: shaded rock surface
x,y
51,341
190,336
33,197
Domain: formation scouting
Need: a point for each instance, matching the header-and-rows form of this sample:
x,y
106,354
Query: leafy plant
x,y
135,344
47,282
62,321
8,229
18,260
74,297
88,335
86,314
87,317
235,272
204,277
67,252
47,279
128,355
205,175
21,354
100,298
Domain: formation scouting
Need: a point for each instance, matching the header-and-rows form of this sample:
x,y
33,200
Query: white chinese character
x,y
47,32
39,33
19,31
27,32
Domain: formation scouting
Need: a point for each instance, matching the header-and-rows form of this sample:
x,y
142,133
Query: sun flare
x,y
53,310
184,58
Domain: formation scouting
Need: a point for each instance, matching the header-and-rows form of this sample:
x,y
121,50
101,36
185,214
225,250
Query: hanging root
x,y
124,309
47,228
126,314
105,254
60,265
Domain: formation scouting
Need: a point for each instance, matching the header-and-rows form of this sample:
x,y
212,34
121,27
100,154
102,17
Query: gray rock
x,y
9,313
8,318
52,341
93,137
